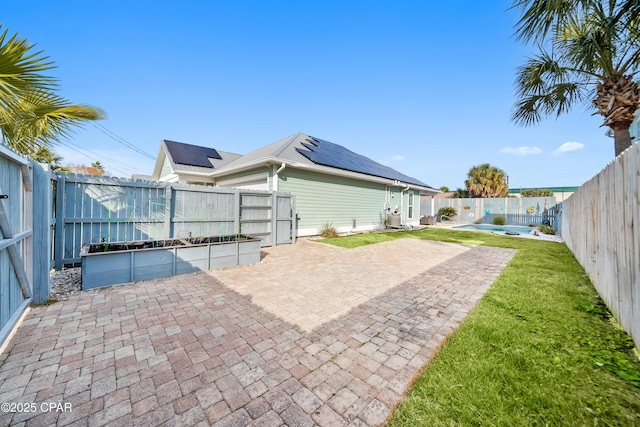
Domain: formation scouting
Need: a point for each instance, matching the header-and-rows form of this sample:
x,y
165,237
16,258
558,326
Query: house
x,y
191,164
332,184
634,129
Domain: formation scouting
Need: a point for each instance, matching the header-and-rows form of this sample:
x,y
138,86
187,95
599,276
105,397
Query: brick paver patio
x,y
314,335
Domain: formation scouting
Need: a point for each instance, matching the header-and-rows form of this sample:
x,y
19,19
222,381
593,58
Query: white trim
x,y
311,231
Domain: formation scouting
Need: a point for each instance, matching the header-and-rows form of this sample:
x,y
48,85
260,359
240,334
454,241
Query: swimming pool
x,y
497,228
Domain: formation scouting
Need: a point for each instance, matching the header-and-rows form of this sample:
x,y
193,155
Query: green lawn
x,y
540,348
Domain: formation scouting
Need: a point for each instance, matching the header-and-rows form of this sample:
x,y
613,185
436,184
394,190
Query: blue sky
x,y
424,87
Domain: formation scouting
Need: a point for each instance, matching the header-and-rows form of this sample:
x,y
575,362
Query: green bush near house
x,y
546,229
328,231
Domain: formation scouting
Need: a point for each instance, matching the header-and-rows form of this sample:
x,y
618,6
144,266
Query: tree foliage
x,y
589,51
83,169
33,117
487,181
461,193
536,193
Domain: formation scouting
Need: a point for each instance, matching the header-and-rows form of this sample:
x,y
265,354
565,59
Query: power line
x,y
121,140
96,156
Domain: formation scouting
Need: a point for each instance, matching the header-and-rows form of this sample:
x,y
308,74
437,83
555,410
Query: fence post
x,y
58,252
236,212
294,219
274,218
168,210
41,233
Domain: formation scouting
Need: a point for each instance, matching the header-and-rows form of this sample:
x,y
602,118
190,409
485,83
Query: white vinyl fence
x,y
516,211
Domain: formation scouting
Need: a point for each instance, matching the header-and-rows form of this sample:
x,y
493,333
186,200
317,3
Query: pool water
x,y
497,228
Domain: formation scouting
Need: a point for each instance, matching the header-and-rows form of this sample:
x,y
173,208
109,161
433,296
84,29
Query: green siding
x,y
322,198
166,168
249,172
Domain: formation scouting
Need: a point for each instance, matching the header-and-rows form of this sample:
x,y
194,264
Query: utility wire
x,y
95,156
121,140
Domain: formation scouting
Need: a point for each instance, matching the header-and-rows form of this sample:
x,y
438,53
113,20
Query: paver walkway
x,y
314,335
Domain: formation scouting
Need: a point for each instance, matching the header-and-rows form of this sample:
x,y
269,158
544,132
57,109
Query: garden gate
x,y
24,237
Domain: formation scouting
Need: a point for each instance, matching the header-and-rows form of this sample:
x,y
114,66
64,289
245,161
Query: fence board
x,y
518,211
600,225
106,209
22,239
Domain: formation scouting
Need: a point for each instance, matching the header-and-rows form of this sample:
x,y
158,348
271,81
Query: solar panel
x,y
191,155
326,153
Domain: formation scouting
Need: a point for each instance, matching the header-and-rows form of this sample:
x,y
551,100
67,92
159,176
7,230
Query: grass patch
x,y
540,348
45,303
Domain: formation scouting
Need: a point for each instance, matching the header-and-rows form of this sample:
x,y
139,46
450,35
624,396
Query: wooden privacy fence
x,y
103,209
517,211
600,224
24,244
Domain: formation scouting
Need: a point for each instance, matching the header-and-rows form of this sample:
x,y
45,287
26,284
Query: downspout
x,y
274,187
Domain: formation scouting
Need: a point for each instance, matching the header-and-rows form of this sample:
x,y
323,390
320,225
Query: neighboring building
x,y
332,184
191,164
560,193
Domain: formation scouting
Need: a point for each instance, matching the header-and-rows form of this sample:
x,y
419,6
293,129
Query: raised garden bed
x,y
106,264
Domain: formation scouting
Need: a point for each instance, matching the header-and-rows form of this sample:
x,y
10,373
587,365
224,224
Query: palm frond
x,y
41,117
539,17
546,87
21,67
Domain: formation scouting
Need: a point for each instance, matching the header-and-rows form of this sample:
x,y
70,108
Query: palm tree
x,y
460,193
32,116
589,50
97,165
487,181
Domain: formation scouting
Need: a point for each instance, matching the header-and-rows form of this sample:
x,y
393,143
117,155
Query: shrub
x,y
328,231
499,220
448,211
546,229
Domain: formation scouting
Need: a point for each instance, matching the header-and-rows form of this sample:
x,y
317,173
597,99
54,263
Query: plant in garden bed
x,y
328,231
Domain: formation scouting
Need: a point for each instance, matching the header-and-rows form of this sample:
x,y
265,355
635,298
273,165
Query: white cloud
x,y
568,146
521,151
397,158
